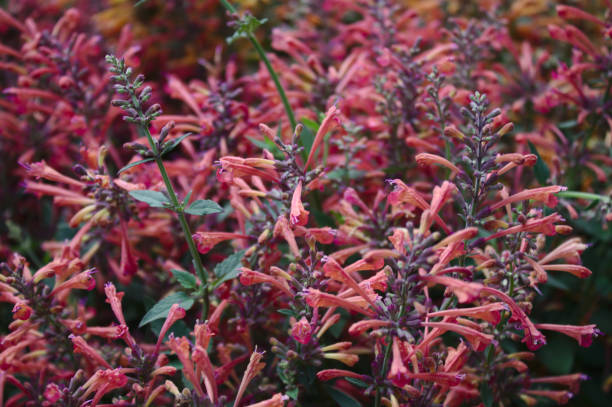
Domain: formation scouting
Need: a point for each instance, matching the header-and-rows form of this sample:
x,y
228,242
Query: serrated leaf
x,y
542,173
135,163
228,268
185,279
343,399
171,144
154,198
203,207
161,309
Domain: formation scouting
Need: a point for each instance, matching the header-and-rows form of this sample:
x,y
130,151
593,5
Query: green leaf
x,y
293,393
311,124
155,199
161,309
343,399
542,173
185,279
203,207
135,163
228,269
486,394
171,144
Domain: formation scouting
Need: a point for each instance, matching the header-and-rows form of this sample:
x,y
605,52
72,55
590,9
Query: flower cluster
x,y
371,215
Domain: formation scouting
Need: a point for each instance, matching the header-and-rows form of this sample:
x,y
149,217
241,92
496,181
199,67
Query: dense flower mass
x,y
348,202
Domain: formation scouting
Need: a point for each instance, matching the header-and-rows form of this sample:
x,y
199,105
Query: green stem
x,y
266,61
197,260
583,195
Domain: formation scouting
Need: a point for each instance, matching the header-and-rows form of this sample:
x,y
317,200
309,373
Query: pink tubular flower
x,y
558,396
301,331
543,194
205,368
80,346
477,339
175,313
298,215
490,312
544,225
572,381
582,334
282,228
253,368
575,269
326,125
277,400
316,299
82,281
425,159
465,291
405,194
104,381
330,374
332,269
361,326
250,277
205,241
180,346
533,338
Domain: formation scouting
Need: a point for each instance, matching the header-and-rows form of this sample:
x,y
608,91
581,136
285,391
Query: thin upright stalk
x,y
266,61
197,260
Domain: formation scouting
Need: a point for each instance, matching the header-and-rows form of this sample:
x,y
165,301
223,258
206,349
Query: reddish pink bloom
x,y
316,299
22,311
329,374
250,277
298,215
175,313
278,400
465,291
82,281
490,312
558,396
425,159
571,380
301,331
326,125
582,334
477,339
254,367
205,241
359,327
80,346
543,194
282,228
52,393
